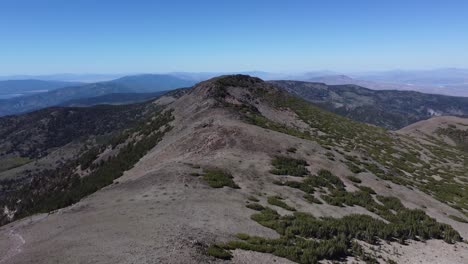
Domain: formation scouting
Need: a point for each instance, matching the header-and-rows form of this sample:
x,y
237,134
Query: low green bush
x,y
354,179
255,206
218,252
458,219
277,200
289,166
292,150
253,199
217,178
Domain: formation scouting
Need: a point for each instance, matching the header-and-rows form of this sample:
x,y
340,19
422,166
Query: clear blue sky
x,y
98,36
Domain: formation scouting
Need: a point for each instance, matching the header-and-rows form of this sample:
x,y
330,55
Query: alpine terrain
x,y
232,170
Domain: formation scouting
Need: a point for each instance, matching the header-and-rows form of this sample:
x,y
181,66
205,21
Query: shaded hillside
x,y
130,84
239,171
33,134
112,99
121,98
386,108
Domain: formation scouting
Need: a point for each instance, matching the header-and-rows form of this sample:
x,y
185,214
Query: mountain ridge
x,y
233,169
130,84
390,109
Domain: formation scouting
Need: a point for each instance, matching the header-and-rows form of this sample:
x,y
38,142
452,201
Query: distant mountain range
x,y
14,88
70,77
148,83
390,109
455,90
448,81
36,94
436,77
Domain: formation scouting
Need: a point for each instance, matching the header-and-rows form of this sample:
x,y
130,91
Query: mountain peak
x,y
238,80
225,86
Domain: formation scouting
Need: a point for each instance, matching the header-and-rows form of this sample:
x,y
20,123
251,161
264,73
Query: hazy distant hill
x,y
146,83
131,84
390,109
70,77
436,77
452,90
11,88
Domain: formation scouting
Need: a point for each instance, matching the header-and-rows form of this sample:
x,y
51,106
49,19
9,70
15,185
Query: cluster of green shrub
x,y
311,183
255,206
218,252
354,179
278,201
292,150
458,219
217,178
253,199
307,239
289,166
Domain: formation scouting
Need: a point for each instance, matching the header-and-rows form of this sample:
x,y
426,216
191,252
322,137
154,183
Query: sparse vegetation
x,y
289,166
459,136
54,189
354,179
218,252
310,198
255,206
292,150
253,199
459,219
307,239
13,162
278,201
217,178
387,156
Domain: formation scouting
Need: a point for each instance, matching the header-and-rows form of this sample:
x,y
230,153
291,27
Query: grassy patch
x,y
255,206
292,150
289,166
218,252
217,178
253,199
354,179
12,162
278,201
458,219
311,199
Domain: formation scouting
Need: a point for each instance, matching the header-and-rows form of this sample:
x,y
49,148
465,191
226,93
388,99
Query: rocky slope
x,y
238,171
